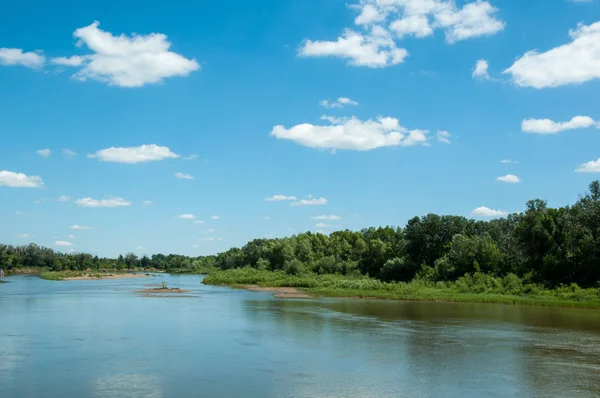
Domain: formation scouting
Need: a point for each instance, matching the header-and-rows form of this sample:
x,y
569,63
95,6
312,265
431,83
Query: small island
x,y
162,288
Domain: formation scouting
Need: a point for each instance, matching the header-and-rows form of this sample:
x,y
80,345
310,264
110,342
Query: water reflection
x,y
92,339
129,385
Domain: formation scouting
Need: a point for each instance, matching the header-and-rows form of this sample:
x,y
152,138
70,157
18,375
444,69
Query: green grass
x,y
25,271
62,275
477,288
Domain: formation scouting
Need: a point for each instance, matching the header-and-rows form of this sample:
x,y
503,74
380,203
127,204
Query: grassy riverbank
x,y
86,275
478,288
26,271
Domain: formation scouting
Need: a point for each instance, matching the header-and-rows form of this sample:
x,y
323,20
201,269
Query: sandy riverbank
x,y
105,276
279,292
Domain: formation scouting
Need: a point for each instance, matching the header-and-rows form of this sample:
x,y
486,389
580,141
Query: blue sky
x,y
425,98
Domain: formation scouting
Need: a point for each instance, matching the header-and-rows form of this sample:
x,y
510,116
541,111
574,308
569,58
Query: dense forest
x,y
552,246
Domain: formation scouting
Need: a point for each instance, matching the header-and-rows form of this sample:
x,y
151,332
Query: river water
x,y
99,339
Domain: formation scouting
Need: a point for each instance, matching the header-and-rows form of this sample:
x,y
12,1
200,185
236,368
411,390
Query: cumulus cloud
x,y
487,212
137,154
279,198
509,179
375,49
16,56
63,243
547,126
339,103
199,222
71,237
190,157
216,217
126,61
508,161
589,167
353,134
44,152
323,225
310,202
67,153
64,198
481,70
183,176
19,180
381,22
187,216
79,227
444,136
147,202
327,217
23,236
110,202
572,63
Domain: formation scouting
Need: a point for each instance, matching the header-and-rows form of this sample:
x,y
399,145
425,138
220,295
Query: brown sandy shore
x,y
107,276
279,292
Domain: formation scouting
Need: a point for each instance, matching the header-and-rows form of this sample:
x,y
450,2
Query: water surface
x,y
99,339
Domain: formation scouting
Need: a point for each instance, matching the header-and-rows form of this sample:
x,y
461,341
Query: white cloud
x,y
209,231
310,202
473,20
508,161
352,134
19,180
209,239
376,49
572,63
62,243
195,246
444,136
71,236
509,179
266,218
187,216
334,119
374,45
139,248
481,70
182,176
547,126
23,236
190,157
216,217
75,60
339,103
64,198
43,200
126,61
416,25
79,227
487,212
199,222
44,152
131,155
147,202
326,217
589,167
370,14
110,202
16,56
279,198
67,153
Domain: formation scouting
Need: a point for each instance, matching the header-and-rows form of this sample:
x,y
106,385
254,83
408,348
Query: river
x,y
99,339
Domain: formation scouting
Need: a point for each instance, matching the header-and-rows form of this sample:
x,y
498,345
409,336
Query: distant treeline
x,y
545,245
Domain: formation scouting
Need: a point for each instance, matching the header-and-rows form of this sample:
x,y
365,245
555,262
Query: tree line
x,y
553,246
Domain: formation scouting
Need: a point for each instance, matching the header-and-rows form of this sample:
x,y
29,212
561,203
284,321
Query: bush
x,y
294,267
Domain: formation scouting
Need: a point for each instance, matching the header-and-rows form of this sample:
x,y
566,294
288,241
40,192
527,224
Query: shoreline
x,y
438,296
88,275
